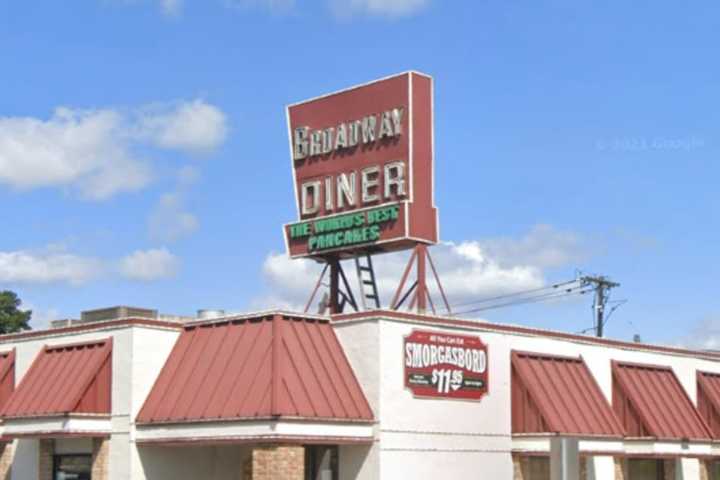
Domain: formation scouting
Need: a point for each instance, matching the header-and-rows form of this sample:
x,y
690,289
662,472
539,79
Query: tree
x,y
12,319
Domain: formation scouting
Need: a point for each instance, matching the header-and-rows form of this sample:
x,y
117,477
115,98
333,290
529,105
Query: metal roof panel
x,y
660,404
271,366
559,395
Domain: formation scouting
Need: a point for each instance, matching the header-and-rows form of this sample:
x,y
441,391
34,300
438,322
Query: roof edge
x,y
444,320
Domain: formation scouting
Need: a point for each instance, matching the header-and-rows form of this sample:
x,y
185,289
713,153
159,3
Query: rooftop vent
x,y
62,323
207,314
114,313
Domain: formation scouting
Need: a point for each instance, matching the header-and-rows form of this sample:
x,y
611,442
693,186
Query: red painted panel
x,y
553,394
260,368
65,379
652,402
708,390
7,376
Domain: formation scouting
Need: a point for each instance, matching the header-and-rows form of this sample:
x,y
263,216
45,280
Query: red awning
x,y
268,367
7,375
65,379
708,401
553,394
651,402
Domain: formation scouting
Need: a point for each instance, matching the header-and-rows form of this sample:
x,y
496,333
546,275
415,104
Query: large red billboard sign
x,y
438,365
362,162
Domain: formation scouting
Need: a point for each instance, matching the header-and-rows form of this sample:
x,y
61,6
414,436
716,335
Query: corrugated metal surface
x,y
65,379
708,391
273,366
553,394
651,402
7,375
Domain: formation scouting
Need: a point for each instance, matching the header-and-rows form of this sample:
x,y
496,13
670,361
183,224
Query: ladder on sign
x,y
368,285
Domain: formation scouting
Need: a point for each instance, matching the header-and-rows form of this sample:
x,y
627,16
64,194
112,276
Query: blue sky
x,y
144,157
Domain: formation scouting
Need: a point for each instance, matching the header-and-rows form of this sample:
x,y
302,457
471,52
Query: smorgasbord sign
x,y
362,163
439,365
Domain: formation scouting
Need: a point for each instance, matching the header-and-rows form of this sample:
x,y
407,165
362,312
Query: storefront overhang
x,y
77,425
651,403
274,366
263,431
537,444
66,391
556,395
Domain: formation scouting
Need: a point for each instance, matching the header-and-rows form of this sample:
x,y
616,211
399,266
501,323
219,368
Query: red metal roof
x,y
7,375
65,379
651,402
708,400
553,394
271,366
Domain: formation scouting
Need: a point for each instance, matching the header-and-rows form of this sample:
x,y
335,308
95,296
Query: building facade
x,y
277,395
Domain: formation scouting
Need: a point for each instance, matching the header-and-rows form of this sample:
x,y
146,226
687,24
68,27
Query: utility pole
x,y
602,286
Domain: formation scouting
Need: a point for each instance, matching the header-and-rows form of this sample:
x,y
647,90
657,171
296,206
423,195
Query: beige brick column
x,y
46,450
278,463
619,468
518,471
7,452
704,470
100,458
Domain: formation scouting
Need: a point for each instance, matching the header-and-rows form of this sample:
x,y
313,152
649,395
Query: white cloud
x,y
543,247
169,221
384,8
94,152
41,317
276,6
468,270
81,148
54,265
171,8
704,335
149,265
47,266
195,127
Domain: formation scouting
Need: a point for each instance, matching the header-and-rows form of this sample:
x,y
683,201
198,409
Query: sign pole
x,y
334,285
421,291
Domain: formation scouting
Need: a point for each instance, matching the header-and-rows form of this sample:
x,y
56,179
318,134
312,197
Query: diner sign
x,y
362,162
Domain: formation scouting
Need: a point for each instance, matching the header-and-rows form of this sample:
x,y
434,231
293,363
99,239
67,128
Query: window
x,y
714,470
321,462
72,467
646,469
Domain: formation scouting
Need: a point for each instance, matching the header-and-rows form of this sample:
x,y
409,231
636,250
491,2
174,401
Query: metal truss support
x,y
418,291
340,291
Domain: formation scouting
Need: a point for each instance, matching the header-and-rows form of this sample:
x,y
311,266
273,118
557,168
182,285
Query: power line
x,y
579,290
515,294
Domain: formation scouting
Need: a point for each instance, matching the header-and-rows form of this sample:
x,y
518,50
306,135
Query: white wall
x,y
431,438
139,352
192,463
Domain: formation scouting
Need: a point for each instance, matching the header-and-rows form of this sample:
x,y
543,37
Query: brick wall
x,y
7,452
100,458
619,468
705,468
46,449
518,470
277,463
522,469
